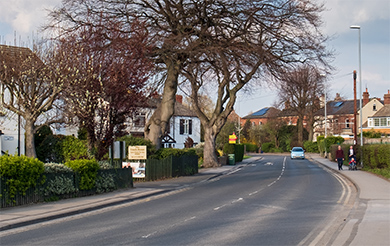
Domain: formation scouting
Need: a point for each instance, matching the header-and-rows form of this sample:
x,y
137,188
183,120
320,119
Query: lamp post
x,y
360,89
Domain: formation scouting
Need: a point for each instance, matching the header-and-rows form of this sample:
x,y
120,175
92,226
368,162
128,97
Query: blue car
x,y
297,152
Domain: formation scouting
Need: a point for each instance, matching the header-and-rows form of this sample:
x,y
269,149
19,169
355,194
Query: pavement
x,y
367,223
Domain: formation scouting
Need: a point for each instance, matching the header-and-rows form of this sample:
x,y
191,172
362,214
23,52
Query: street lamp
x,y
360,88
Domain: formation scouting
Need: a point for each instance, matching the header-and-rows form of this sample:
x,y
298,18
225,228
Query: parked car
x,y
297,152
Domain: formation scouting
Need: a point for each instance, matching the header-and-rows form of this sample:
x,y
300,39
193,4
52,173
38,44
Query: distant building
x,y
261,117
183,125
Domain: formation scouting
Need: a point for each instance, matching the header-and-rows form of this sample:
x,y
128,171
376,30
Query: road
x,y
272,201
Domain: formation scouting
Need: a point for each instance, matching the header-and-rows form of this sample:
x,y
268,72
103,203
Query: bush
x,y
311,147
329,141
238,152
266,147
228,148
57,168
87,169
21,172
376,156
105,183
164,153
74,148
251,147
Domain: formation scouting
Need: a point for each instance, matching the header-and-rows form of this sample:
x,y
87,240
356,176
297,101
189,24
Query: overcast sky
x,y
24,17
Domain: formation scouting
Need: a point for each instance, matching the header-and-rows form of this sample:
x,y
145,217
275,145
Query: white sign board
x,y
137,153
138,168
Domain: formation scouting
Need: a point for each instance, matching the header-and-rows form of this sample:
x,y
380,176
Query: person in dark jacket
x,y
340,157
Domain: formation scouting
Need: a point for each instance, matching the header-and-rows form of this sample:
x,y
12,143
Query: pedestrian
x,y
352,164
351,153
340,157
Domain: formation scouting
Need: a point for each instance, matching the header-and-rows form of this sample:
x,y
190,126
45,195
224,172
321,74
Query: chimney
x,y
366,97
386,98
338,97
286,104
179,99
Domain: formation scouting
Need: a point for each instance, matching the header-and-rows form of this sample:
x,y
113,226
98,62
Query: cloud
x,y
25,16
341,14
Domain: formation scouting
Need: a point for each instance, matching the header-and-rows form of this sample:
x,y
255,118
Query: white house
x,y
183,125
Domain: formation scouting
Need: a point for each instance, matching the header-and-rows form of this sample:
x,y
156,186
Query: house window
x,y
376,122
139,120
370,122
185,127
388,121
260,123
382,121
374,107
347,123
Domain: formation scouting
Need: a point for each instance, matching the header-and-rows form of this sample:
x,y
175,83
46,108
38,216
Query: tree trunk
x,y
157,125
209,157
300,131
30,130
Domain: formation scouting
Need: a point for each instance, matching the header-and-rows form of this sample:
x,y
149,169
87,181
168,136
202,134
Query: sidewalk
x,y
31,214
369,223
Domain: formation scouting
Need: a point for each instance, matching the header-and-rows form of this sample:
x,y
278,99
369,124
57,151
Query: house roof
x,y
267,112
383,112
180,109
15,55
339,107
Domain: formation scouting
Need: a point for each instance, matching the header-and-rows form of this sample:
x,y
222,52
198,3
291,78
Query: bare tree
x,y
229,43
301,89
31,83
109,70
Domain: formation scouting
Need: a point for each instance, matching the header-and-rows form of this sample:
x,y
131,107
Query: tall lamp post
x,y
360,89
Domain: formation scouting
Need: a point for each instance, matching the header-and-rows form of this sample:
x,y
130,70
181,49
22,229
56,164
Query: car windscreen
x,y
297,149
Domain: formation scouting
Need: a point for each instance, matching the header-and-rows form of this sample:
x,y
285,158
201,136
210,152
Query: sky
x,y
21,20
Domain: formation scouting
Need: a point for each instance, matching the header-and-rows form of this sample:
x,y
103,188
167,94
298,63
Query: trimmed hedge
x,y
251,147
87,169
311,147
376,156
238,152
164,153
22,172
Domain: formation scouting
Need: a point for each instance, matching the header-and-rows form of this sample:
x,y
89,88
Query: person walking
x,y
351,153
340,157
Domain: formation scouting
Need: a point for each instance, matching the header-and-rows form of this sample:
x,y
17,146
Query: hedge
x,y
22,172
251,147
87,169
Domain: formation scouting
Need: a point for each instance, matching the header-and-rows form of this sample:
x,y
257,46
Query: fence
x,y
172,166
65,185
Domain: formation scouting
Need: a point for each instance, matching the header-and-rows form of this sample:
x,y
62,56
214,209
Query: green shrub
x,y
59,185
266,147
228,148
74,148
376,156
164,153
276,150
311,147
251,147
21,172
239,152
57,168
105,182
87,169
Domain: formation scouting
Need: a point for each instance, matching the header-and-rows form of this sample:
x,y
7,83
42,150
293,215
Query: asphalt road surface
x,y
272,201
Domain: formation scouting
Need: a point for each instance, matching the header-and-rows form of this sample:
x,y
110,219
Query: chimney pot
x,y
179,99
